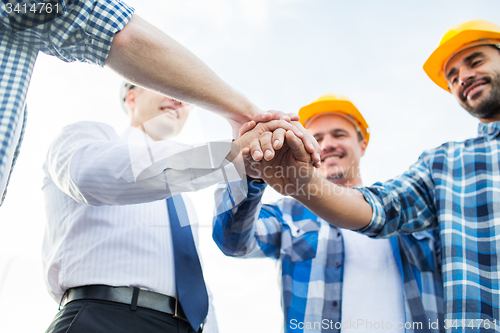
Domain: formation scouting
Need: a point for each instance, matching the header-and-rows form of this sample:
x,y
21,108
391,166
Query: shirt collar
x,y
489,130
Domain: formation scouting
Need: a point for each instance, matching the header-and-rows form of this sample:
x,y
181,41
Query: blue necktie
x,y
191,288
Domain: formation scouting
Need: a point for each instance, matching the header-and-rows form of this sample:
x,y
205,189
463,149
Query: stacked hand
x,y
279,150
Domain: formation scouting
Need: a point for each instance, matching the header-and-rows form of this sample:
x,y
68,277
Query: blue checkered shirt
x,y
312,281
74,30
456,187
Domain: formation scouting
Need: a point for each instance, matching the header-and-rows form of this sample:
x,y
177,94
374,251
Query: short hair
x,y
360,136
124,89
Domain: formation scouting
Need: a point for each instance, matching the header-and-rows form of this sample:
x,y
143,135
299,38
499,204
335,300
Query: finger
x,y
255,150
280,115
245,151
266,145
310,144
297,148
293,116
263,117
278,138
275,124
285,117
247,127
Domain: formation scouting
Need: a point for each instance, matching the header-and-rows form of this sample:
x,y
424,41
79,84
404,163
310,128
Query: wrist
x,y
248,113
312,188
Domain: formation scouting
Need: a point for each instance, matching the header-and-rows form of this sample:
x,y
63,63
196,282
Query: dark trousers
x,y
89,316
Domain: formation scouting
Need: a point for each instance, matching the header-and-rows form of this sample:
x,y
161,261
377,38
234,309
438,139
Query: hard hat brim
x,y
335,106
434,66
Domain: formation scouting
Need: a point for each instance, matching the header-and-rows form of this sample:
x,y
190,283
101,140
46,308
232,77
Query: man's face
x,y
340,149
473,77
161,116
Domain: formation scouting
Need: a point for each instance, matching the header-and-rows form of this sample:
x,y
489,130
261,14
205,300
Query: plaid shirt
x,y
456,187
291,233
72,30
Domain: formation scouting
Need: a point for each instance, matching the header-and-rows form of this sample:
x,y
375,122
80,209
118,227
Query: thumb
x,y
297,148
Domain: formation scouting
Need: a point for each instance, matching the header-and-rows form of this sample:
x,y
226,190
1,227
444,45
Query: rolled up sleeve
x,y
404,204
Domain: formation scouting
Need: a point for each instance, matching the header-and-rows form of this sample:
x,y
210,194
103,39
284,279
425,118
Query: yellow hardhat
x,y
329,103
460,37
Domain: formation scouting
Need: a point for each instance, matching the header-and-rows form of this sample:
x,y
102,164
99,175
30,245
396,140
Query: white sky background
x,y
281,54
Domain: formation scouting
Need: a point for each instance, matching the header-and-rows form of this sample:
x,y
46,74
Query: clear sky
x,y
281,54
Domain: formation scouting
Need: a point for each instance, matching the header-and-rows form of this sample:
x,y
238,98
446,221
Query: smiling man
x,y
454,187
333,280
473,77
119,248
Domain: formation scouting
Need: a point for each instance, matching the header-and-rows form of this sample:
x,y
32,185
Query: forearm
x,y
149,58
234,224
340,206
92,164
98,174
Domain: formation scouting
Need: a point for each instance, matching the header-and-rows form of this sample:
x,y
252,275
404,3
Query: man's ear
x,y
363,144
130,99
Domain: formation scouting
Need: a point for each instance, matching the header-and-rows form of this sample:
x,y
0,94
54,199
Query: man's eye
x,y
454,81
476,63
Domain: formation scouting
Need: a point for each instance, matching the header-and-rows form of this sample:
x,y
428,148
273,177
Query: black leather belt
x,y
134,297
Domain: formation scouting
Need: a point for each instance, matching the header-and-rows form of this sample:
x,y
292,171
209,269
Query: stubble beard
x,y
489,108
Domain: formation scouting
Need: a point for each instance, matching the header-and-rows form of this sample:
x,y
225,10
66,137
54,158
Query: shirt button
x,y
338,264
338,234
335,303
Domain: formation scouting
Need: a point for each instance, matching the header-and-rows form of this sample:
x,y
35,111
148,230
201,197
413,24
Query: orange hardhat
x,y
329,103
458,38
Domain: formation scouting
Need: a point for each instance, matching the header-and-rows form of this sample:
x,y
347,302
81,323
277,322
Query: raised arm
x,y
91,164
148,57
402,205
248,228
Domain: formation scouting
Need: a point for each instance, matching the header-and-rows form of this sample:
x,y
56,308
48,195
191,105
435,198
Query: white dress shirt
x,y
103,225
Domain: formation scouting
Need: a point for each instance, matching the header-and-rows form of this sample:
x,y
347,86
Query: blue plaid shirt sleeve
x,y
404,204
241,231
75,30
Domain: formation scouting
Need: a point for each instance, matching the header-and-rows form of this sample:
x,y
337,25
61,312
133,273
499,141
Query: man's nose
x,y
328,143
466,74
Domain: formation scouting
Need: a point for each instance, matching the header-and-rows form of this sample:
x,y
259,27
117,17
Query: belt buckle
x,y
176,312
